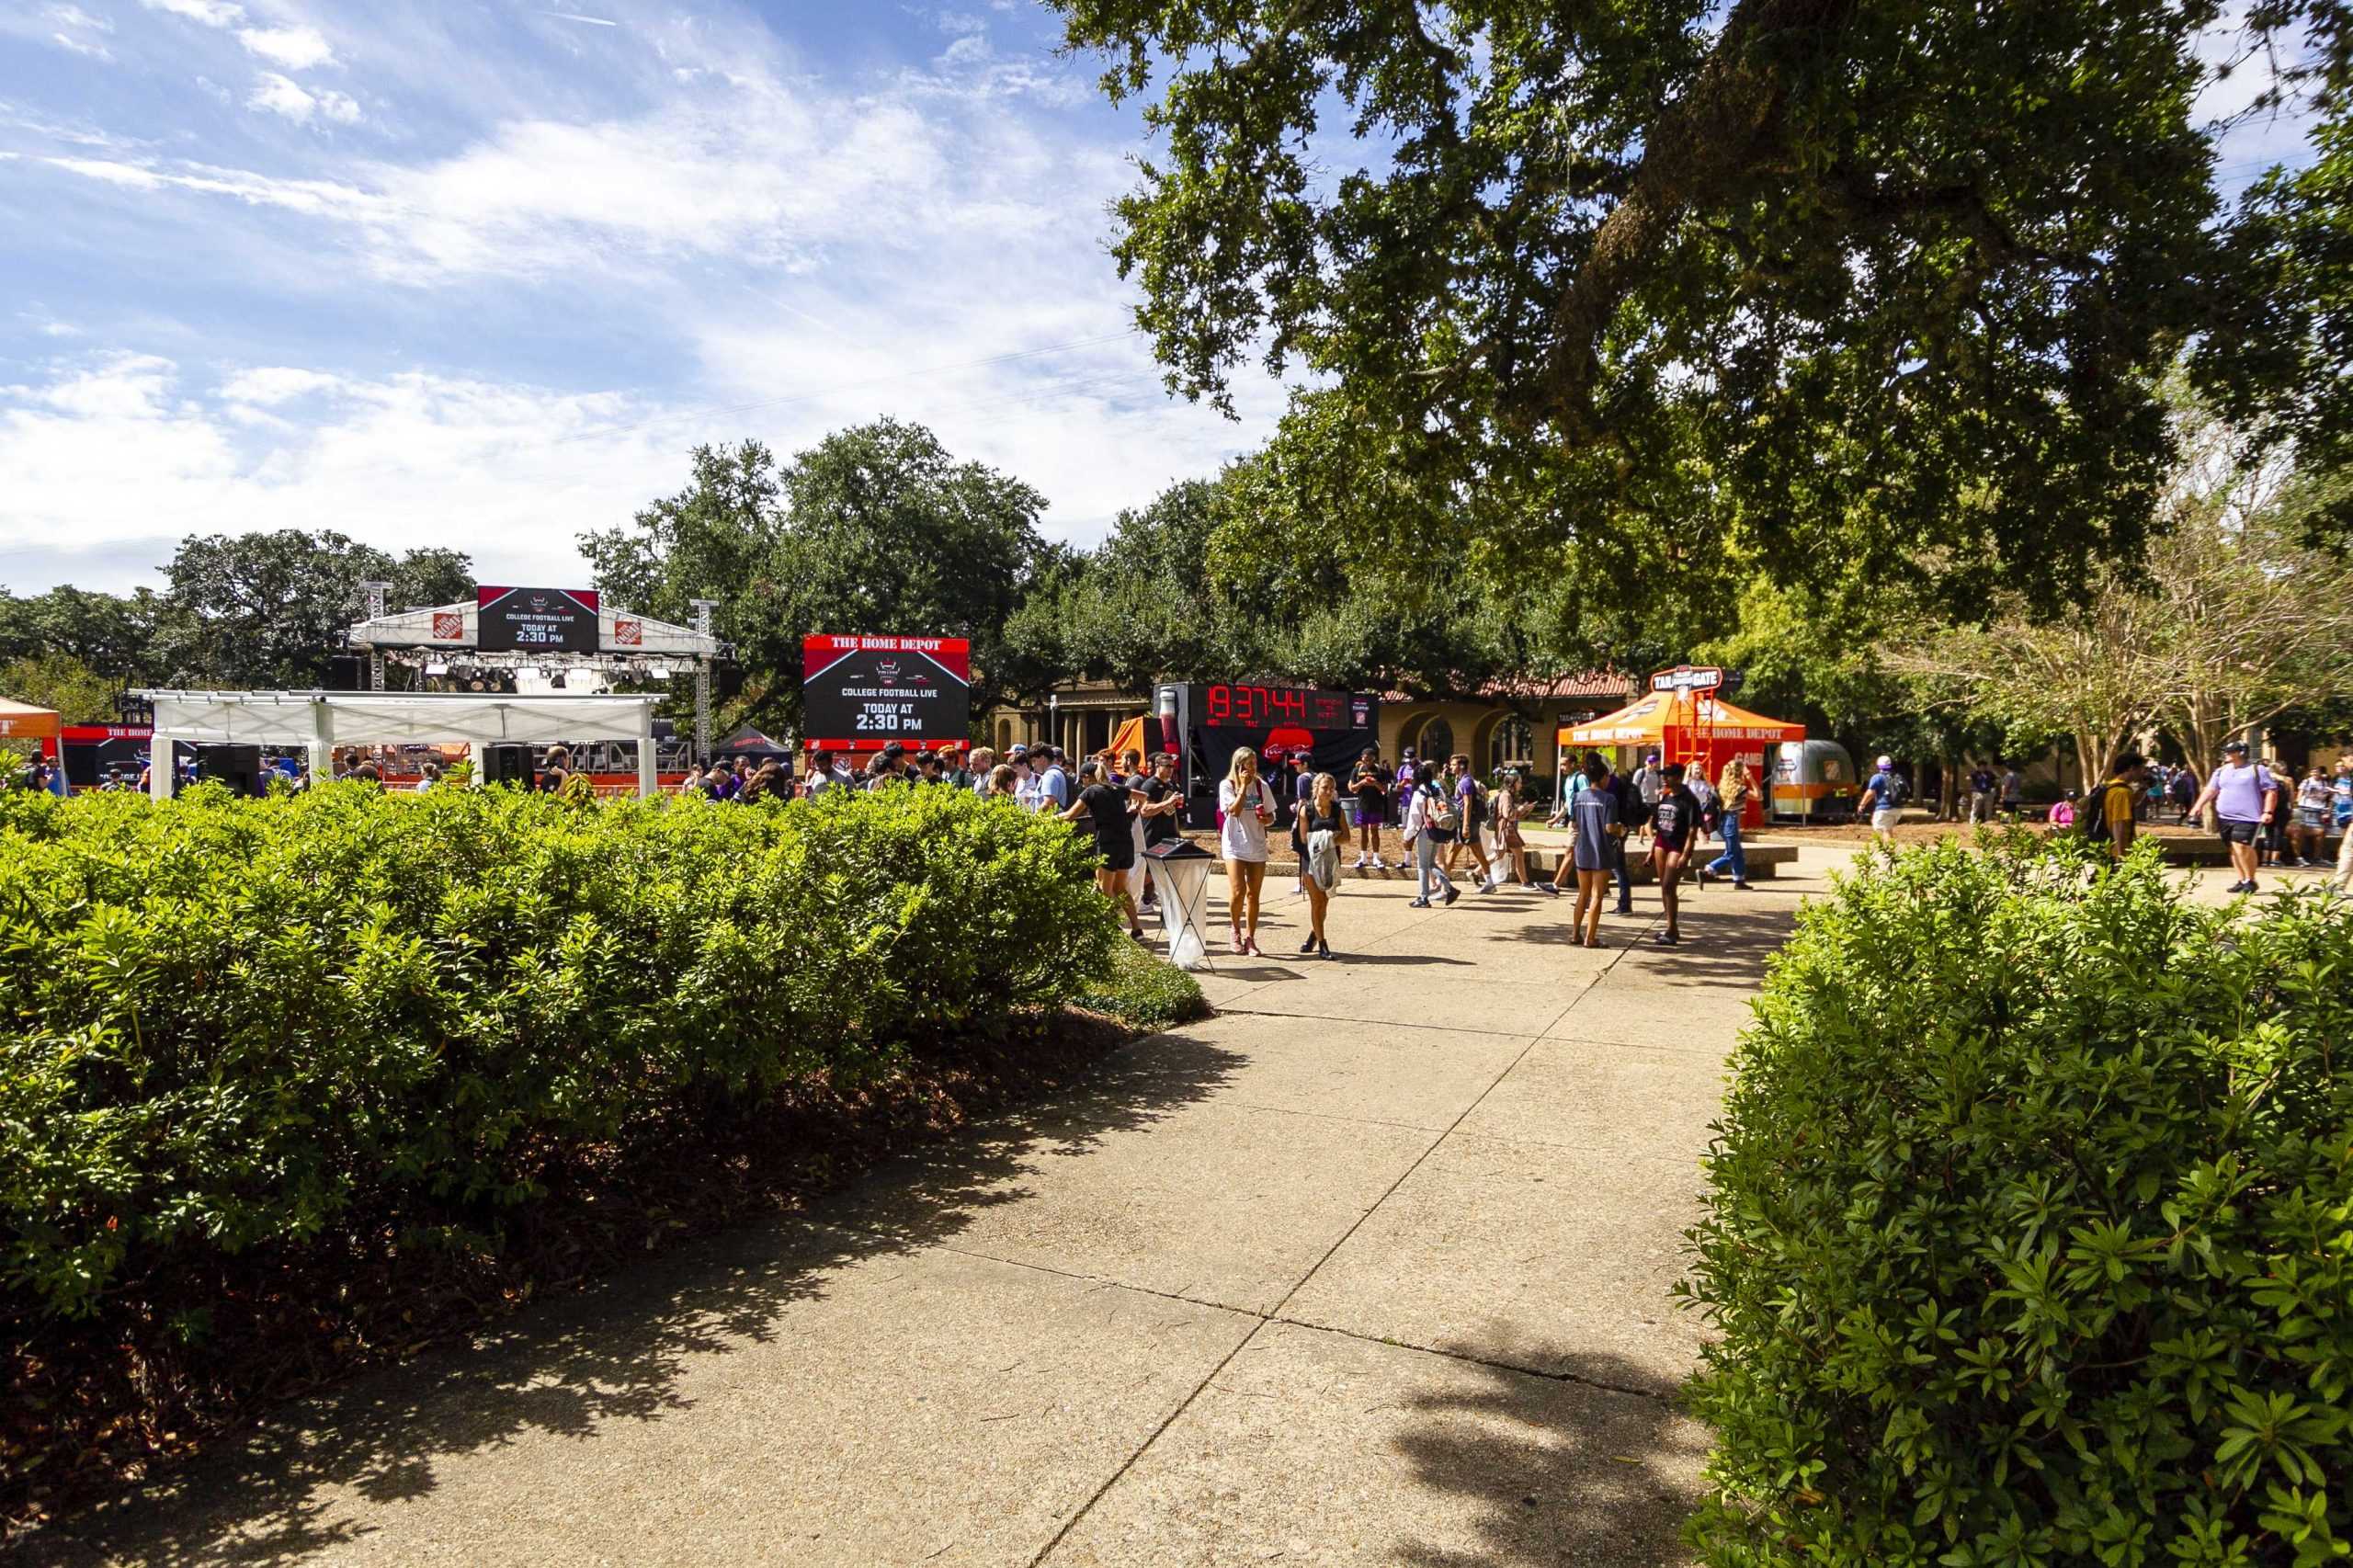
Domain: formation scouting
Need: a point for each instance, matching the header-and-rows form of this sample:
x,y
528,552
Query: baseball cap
x,y
2239,746
1887,762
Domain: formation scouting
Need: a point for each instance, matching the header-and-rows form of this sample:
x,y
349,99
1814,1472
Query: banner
x,y
868,690
535,620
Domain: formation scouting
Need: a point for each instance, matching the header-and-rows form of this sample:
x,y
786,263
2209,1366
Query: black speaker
x,y
507,764
727,682
237,766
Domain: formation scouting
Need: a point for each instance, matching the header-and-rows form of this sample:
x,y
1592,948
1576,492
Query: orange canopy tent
x,y
23,722
1702,732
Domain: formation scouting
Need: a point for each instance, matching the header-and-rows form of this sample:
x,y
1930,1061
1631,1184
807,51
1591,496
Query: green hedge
x,y
2030,1236
228,1025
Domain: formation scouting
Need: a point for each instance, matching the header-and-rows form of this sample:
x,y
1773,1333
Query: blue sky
x,y
481,275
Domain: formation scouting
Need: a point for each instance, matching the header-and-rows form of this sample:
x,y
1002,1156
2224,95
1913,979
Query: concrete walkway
x,y
1372,1268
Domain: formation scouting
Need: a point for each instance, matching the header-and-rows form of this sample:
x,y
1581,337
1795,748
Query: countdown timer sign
x,y
1225,706
865,691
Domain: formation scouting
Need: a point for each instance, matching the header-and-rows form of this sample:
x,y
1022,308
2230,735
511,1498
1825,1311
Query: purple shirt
x,y
2239,792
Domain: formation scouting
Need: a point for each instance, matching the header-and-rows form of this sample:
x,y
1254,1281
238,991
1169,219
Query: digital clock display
x,y
1224,706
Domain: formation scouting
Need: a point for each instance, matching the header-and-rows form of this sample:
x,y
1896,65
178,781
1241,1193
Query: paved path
x,y
1372,1268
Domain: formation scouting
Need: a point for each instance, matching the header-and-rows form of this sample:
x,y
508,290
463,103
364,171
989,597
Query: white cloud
x,y
297,47
316,198
70,24
270,385
211,13
113,450
283,94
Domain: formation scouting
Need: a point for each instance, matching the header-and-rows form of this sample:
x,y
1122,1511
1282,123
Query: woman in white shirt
x,y
1245,807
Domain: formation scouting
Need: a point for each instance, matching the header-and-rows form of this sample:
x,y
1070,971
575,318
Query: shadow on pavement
x,y
616,1353
1557,1471
1719,946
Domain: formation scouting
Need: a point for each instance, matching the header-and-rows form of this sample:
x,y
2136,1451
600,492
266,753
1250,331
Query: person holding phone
x,y
1245,807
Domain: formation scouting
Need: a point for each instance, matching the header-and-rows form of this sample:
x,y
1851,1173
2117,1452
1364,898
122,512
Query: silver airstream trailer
x,y
1811,782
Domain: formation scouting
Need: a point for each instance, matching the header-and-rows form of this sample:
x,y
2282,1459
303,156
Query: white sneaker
x,y
1357,864
1380,865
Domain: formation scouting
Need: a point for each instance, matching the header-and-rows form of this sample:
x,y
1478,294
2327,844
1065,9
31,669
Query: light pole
x,y
1053,718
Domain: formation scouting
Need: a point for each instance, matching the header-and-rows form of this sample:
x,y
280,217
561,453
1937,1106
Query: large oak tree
x,y
1624,291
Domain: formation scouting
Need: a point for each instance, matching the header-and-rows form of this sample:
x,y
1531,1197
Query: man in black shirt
x,y
1675,825
1161,804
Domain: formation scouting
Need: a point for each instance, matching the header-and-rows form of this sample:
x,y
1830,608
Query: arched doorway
x,y
1509,739
1429,737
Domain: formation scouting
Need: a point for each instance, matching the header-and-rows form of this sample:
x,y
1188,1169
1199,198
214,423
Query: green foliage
x,y
2030,1230
270,609
1825,281
78,694
113,635
236,1025
2278,359
1145,992
1223,579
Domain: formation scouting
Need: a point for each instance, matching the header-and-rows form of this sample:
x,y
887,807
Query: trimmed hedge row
x,y
2031,1235
228,1025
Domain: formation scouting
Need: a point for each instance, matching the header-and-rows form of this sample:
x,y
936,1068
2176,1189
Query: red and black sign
x,y
1226,705
535,620
863,691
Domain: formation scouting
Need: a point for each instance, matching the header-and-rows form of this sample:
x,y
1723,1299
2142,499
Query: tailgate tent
x,y
751,743
318,721
1698,732
23,722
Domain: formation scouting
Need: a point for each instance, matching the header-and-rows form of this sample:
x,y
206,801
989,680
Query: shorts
x,y
1671,843
1884,819
2236,831
1119,854
1362,815
2311,816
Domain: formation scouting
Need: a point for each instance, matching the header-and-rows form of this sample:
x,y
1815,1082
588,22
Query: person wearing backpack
x,y
1430,824
2111,812
1471,809
1884,797
2244,795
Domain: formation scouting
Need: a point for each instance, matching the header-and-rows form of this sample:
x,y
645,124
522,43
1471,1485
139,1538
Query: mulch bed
x,y
80,1416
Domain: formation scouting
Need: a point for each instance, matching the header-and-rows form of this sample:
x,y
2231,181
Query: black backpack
x,y
2091,817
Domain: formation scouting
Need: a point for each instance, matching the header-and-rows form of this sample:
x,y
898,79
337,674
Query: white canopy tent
x,y
318,721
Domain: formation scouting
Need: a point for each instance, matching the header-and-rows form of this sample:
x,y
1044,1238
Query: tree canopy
x,y
270,609
875,531
1811,283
